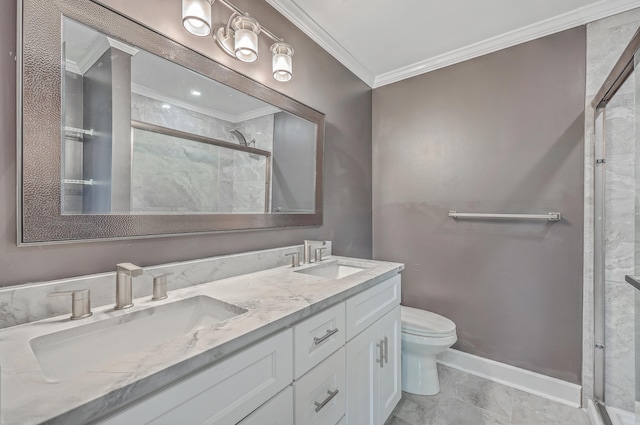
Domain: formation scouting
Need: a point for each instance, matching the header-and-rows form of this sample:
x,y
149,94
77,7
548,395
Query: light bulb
x,y
196,16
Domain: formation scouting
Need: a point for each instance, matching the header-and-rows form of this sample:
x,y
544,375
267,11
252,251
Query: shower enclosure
x,y
617,242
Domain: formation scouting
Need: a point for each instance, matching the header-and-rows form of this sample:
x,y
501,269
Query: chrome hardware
x,y
332,394
318,341
380,345
386,349
160,287
599,346
125,272
307,249
80,302
318,254
295,259
633,281
552,216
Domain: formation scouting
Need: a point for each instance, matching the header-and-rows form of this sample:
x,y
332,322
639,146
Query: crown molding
x,y
122,46
577,17
574,18
90,57
73,67
234,119
310,27
256,113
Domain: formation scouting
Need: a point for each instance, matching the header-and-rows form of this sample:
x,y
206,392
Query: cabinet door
x,y
363,362
390,374
221,394
277,411
366,308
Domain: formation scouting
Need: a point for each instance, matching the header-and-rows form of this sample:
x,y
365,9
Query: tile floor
x,y
469,400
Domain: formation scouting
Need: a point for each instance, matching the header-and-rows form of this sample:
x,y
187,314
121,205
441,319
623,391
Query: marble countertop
x,y
274,299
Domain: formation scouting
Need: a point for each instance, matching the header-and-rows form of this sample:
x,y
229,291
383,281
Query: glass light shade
x,y
246,38
196,16
246,45
282,67
282,63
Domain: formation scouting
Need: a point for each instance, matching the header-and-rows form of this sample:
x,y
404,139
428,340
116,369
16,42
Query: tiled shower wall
x,y
211,179
606,39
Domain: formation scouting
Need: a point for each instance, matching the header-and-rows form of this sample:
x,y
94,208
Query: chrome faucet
x,y
308,244
125,272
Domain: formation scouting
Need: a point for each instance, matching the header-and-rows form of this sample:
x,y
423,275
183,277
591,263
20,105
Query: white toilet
x,y
424,335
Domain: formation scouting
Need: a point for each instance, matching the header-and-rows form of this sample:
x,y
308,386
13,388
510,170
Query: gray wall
x,y
499,133
319,81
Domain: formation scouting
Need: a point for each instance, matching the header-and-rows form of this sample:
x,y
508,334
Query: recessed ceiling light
x,y
166,106
195,93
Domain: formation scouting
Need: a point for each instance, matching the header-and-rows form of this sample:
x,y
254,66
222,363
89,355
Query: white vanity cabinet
x,y
340,366
277,411
373,354
222,394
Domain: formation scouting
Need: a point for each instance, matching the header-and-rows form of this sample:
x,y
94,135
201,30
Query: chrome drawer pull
x,y
318,341
380,345
332,394
386,350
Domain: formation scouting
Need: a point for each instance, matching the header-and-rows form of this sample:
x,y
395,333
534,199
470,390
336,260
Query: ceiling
x,y
384,42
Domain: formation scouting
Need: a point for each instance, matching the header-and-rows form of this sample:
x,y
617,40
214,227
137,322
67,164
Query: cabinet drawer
x,y
315,338
221,394
319,395
368,306
277,411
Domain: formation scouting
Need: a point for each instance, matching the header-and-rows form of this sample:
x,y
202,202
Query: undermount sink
x,y
89,346
333,270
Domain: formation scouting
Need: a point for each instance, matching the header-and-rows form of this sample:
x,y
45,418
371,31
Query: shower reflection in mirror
x,y
143,135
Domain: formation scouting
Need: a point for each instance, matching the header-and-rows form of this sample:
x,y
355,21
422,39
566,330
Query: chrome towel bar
x,y
552,216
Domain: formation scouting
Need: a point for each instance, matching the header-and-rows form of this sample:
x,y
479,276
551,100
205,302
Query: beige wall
x,y
319,81
500,133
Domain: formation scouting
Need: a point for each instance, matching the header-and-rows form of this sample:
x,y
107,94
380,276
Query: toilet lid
x,y
426,323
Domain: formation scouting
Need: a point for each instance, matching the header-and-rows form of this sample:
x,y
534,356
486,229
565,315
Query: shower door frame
x,y
621,71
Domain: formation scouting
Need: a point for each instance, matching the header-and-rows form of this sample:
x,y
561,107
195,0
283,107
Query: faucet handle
x,y
160,286
318,254
80,302
129,269
295,258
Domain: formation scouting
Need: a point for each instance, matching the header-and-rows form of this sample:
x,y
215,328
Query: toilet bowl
x,y
424,335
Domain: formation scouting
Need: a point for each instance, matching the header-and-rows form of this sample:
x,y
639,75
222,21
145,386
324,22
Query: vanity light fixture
x,y
239,37
281,61
196,16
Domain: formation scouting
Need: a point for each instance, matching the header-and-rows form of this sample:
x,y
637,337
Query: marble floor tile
x,y
452,411
485,394
466,399
529,409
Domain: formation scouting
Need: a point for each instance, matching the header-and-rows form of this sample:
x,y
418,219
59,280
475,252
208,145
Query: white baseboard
x,y
531,382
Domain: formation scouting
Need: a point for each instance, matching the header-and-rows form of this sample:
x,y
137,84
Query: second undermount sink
x,y
90,346
334,269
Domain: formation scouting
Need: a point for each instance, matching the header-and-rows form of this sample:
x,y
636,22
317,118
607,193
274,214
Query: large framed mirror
x,y
125,133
